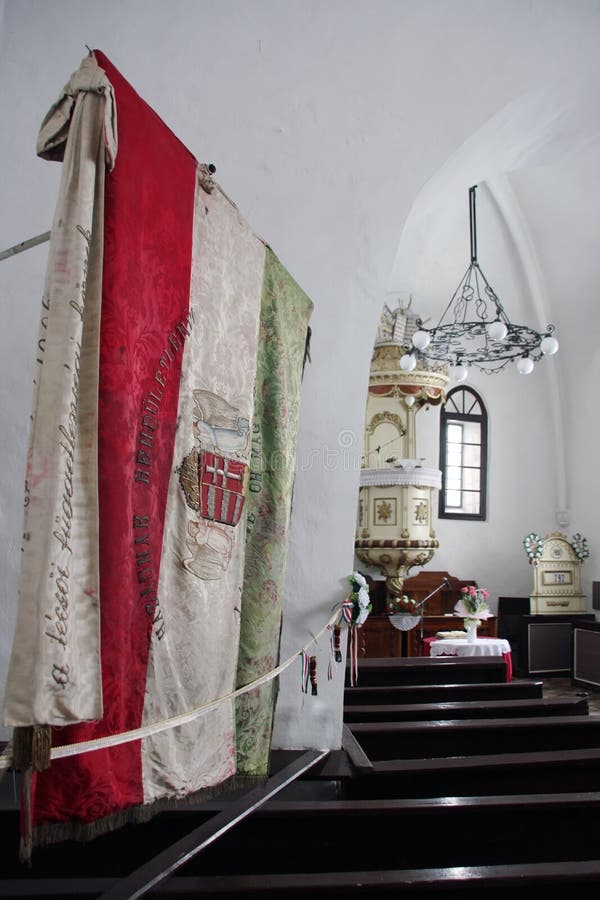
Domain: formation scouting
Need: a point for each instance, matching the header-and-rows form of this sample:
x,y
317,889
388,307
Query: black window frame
x,y
470,400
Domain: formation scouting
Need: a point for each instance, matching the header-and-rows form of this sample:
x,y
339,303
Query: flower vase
x,y
471,629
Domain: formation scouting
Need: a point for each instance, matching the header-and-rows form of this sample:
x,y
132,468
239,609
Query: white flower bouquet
x,y
473,605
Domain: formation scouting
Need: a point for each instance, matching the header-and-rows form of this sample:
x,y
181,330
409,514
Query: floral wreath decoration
x,y
580,546
534,544
355,611
357,605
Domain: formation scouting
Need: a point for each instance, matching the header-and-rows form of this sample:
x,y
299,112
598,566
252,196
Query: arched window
x,y
463,455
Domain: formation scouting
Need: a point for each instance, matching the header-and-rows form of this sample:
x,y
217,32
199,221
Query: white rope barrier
x,y
144,731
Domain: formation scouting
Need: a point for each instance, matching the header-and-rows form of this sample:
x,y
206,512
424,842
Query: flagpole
x,y
25,245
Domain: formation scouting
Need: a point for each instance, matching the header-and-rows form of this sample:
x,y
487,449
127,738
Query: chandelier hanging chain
x,y
473,224
475,330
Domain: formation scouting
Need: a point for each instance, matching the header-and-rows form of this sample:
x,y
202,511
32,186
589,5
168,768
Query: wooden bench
x,y
527,881
468,709
443,693
293,846
444,738
393,671
393,834
475,775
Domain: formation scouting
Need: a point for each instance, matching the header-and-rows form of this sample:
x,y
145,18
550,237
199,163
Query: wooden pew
x,y
395,834
444,738
520,772
528,881
442,693
469,709
392,671
347,847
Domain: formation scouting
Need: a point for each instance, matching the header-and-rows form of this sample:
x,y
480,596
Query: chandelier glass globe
x,y
549,346
408,362
458,372
497,330
421,340
525,365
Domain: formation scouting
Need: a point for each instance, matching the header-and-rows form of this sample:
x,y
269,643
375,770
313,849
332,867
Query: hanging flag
x,y
141,621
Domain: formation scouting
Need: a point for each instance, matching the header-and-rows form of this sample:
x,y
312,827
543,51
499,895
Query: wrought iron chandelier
x,y
474,329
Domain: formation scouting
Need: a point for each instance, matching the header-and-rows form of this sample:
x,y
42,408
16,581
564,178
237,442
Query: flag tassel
x,y
31,746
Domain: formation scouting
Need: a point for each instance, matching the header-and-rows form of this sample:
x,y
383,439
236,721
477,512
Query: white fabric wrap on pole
x,y
54,673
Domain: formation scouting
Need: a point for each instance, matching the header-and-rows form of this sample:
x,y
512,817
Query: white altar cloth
x,y
463,647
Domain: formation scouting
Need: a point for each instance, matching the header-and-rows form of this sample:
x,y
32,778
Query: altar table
x,y
484,646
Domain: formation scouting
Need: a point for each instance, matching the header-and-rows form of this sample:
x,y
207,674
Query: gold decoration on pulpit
x,y
383,512
394,529
421,512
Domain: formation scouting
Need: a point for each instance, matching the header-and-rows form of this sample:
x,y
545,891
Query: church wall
x,y
324,120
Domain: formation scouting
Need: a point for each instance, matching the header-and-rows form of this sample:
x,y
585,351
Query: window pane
x,y
470,503
453,477
453,498
472,432
471,479
454,457
472,455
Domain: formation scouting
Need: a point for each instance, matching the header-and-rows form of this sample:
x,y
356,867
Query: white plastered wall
x,y
325,119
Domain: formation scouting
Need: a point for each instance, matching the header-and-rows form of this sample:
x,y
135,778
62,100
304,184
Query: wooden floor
x,y
565,687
